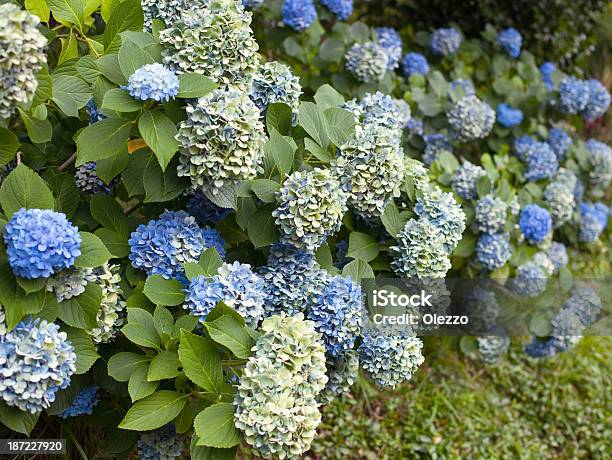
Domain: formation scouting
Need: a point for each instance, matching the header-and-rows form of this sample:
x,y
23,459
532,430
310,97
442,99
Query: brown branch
x,y
66,164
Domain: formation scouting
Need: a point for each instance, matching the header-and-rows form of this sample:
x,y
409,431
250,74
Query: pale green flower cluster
x,y
276,403
111,313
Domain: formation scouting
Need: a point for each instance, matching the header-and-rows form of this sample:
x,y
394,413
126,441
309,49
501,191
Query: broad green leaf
x,y
138,385
261,228
194,85
197,452
70,94
220,310
265,189
109,168
119,100
66,193
81,311
159,132
39,131
357,270
122,365
109,67
228,332
154,411
103,139
224,196
161,186
23,188
30,286
17,420
116,243
313,122
71,11
127,15
279,117
326,96
278,153
108,213
362,246
164,366
132,56
391,219
163,321
87,69
340,125
210,261
69,49
39,8
93,251
140,328
215,426
164,292
201,362
86,351
9,144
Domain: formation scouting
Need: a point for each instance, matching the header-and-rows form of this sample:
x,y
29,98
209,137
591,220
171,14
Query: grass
x,y
456,407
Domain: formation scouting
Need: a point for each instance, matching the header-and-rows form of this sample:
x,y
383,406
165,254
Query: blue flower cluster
x,y
593,221
471,119
599,100
587,97
415,126
465,178
153,82
93,113
535,223
546,70
445,42
162,246
490,214
508,116
560,201
299,14
391,41
40,242
558,255
36,361
415,64
234,284
204,210
87,181
540,161
466,87
378,108
510,41
600,159
83,403
559,141
434,145
342,9
252,4
492,347
337,314
161,444
522,145
530,280
493,250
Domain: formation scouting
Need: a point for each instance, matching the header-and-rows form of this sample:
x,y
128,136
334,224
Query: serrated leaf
x,y
265,189
228,332
23,188
119,100
214,426
122,365
103,139
86,351
193,85
159,132
140,328
261,228
164,292
154,411
9,144
17,420
362,246
357,270
70,94
164,366
201,362
93,252
81,311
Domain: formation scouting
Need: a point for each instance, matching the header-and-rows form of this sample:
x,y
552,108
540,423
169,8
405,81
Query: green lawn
x,y
457,407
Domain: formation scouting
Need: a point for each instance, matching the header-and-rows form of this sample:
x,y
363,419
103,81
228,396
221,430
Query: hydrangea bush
x,y
192,194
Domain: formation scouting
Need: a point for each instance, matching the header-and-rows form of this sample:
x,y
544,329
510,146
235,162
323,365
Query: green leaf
x,y
357,270
215,427
161,186
103,139
201,362
69,49
138,385
164,322
193,85
116,243
38,8
362,246
391,219
119,100
279,117
164,366
224,196
39,131
109,168
187,322
466,246
209,453
140,328
108,213
220,310
313,122
86,351
66,193
326,96
93,251
127,15
228,332
483,186
30,286
81,311
159,132
122,365
164,292
261,228
468,345
154,411
265,189
278,153
132,56
23,188
109,67
341,125
9,144
71,11
70,94
210,261
16,420
87,69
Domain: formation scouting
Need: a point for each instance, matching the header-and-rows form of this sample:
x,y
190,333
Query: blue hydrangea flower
x,y
560,201
83,403
465,87
93,113
465,178
546,71
275,83
558,255
510,41
490,214
390,360
342,373
593,221
566,329
153,81
522,145
161,444
204,210
559,141
598,102
585,302
213,239
600,159
415,126
493,250
508,116
162,246
445,41
492,347
337,314
573,95
541,162
368,62
379,108
535,223
434,145
234,284
40,242
88,182
252,4
391,41
36,361
415,63
299,14
530,280
341,251
342,9
471,119
541,348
